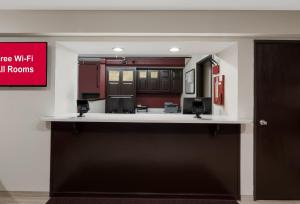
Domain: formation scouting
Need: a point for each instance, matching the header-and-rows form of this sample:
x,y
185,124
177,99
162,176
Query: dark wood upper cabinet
x,y
113,82
164,80
121,81
128,82
159,81
176,81
153,80
142,80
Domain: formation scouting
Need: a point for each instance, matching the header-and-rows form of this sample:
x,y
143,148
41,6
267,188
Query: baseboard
x,y
247,198
39,194
97,200
24,194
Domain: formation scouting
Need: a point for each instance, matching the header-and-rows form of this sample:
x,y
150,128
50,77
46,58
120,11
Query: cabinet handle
x,y
263,123
129,96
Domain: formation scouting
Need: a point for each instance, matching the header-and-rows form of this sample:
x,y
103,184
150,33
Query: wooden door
x,y
153,80
164,80
176,81
277,120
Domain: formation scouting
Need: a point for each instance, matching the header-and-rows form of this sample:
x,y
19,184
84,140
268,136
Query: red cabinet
x,y
91,80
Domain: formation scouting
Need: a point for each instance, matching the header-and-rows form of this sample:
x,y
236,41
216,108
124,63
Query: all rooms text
x,y
16,59
11,69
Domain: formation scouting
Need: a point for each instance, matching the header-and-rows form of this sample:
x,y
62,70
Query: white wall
x,y
24,139
180,23
246,110
66,80
228,61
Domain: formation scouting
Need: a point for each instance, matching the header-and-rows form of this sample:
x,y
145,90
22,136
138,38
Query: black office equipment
x,y
120,104
188,105
82,107
198,107
207,101
201,106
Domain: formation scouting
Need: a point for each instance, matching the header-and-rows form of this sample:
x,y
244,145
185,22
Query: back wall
x,y
25,141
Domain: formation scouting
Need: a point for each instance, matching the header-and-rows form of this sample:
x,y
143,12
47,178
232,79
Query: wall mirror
x,y
190,82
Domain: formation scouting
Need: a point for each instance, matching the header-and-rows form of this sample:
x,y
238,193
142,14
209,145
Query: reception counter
x,y
146,118
145,155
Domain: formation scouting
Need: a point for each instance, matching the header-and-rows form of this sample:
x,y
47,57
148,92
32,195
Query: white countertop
x,y
146,118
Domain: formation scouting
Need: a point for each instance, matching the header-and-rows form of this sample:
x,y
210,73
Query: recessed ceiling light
x,y
117,49
174,49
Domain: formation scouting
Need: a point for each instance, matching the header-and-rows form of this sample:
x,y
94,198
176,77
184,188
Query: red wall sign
x,y
23,63
216,69
219,89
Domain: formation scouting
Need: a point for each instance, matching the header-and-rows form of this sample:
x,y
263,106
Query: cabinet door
x,y
142,80
128,82
176,81
164,77
88,79
113,82
153,80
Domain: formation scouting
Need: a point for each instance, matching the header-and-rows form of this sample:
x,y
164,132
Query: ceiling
x,y
151,4
101,49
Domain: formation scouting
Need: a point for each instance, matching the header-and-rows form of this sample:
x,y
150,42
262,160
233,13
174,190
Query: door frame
x,y
198,69
255,113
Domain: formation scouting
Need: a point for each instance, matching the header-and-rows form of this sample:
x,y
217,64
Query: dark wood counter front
x,y
145,160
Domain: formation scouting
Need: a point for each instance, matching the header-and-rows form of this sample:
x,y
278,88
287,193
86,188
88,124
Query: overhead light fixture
x,y
117,49
174,49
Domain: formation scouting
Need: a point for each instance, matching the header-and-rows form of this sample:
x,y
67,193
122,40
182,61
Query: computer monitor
x,y
82,107
201,106
188,105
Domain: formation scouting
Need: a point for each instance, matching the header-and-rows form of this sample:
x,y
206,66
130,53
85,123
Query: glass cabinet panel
x,y
127,75
153,74
143,74
113,75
